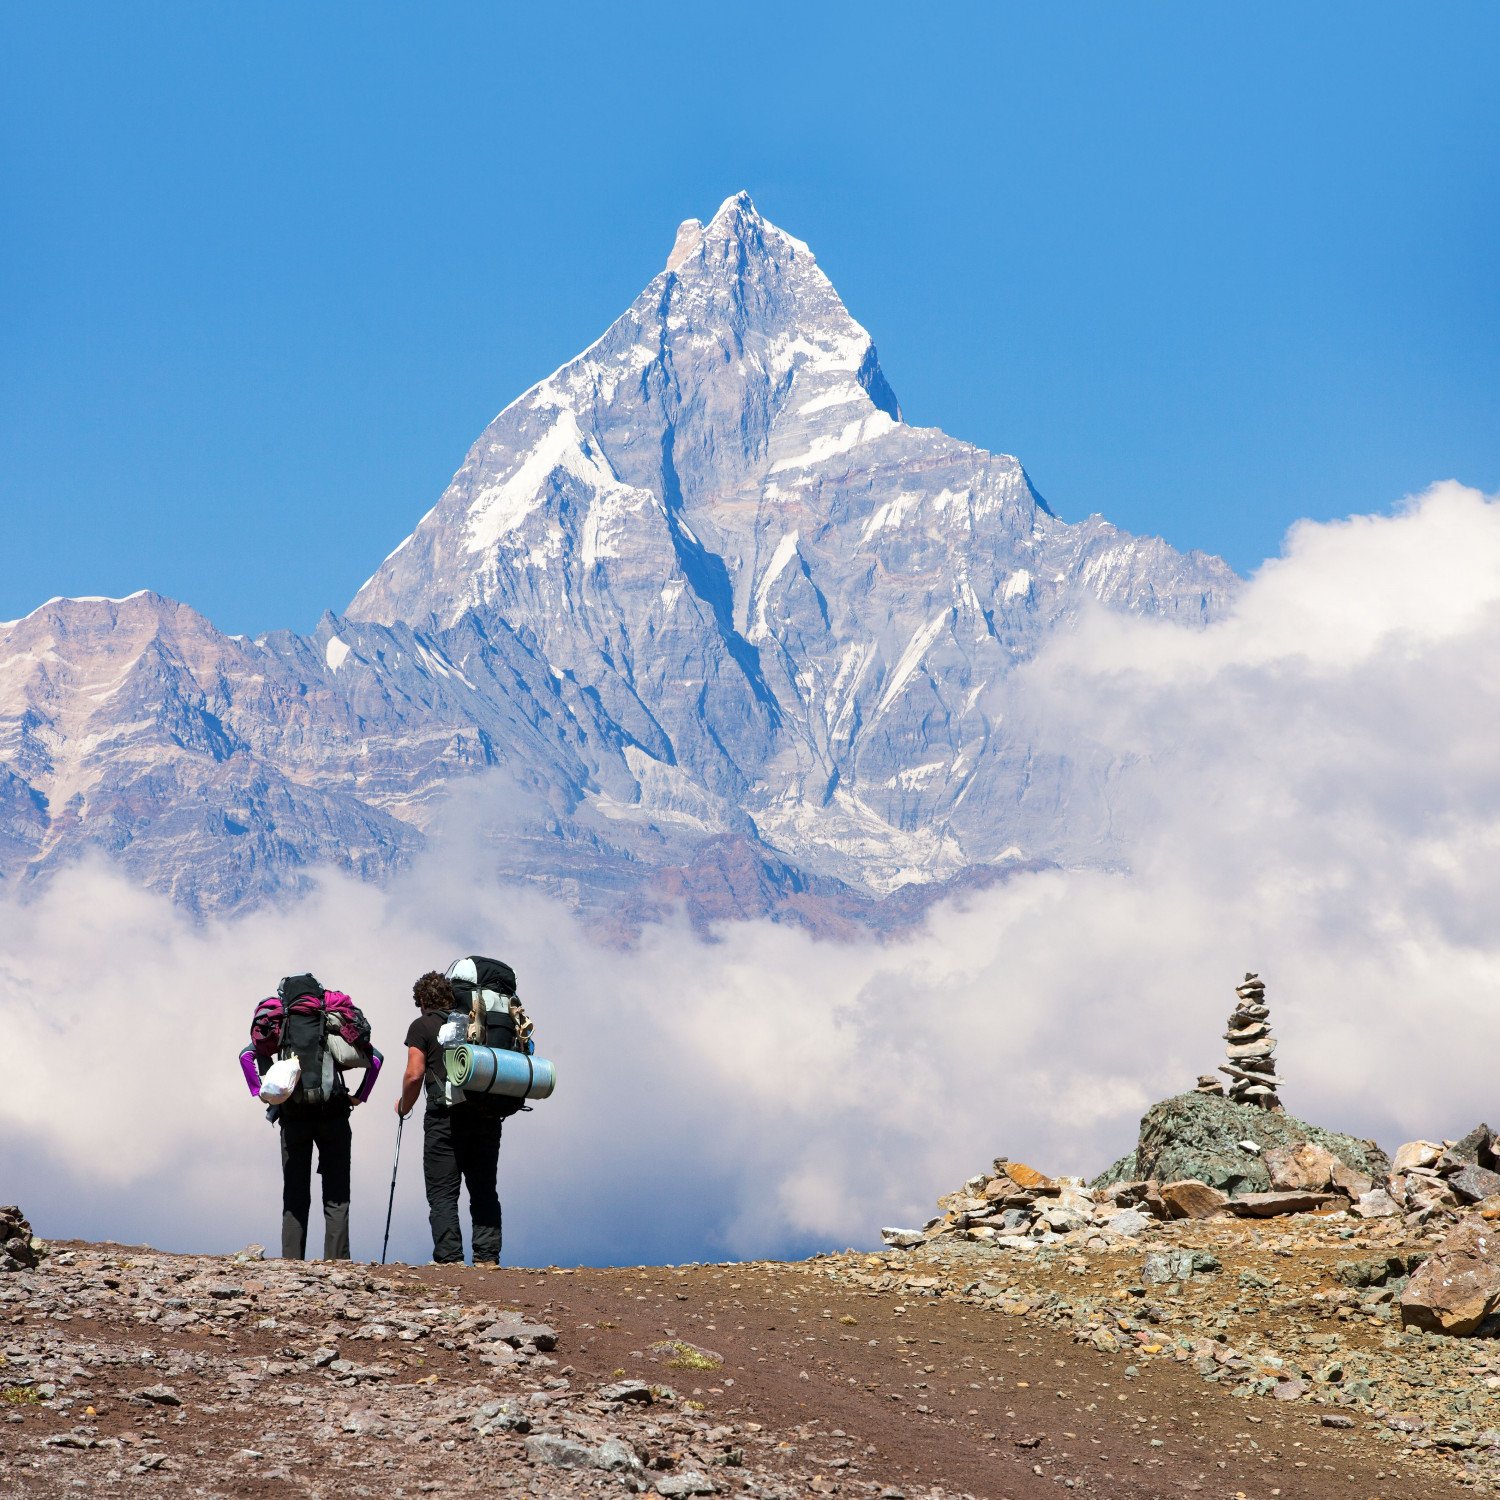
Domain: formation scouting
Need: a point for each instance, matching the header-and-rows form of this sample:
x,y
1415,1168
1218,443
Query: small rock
x,y
1177,1265
1128,1222
626,1390
564,1453
1336,1419
157,1395
616,1456
689,1482
903,1239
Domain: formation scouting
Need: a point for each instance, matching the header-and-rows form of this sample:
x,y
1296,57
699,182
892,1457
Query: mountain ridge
x,y
702,582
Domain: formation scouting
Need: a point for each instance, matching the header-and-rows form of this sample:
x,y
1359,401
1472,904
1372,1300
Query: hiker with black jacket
x,y
301,1041
460,1133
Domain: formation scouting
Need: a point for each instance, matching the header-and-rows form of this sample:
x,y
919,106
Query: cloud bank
x,y
1309,788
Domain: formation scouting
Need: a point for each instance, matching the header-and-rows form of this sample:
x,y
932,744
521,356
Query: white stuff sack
x,y
281,1080
344,1056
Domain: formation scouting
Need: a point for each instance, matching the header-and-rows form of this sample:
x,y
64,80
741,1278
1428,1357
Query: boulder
x,y
1425,1191
1128,1223
1189,1199
1268,1205
1476,1149
1348,1180
1199,1136
1059,1220
1415,1154
1458,1287
1376,1204
1305,1168
1473,1183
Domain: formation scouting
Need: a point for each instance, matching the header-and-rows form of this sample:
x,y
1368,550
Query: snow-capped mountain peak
x,y
701,583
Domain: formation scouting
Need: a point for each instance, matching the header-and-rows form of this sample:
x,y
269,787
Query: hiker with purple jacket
x,y
301,1041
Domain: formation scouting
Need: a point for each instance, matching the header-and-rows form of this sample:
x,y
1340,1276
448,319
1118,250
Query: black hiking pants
x,y
325,1126
462,1145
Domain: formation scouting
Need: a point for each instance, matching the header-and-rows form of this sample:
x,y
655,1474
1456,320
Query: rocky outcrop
x,y
1434,1178
1225,1144
19,1249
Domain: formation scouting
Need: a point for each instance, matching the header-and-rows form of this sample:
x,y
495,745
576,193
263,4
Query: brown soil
x,y
789,1379
936,1392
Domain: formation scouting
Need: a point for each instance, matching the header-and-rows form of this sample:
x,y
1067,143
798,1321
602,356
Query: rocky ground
x,y
1217,1357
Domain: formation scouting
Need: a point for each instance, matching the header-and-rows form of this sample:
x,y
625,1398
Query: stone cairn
x,y
1251,1068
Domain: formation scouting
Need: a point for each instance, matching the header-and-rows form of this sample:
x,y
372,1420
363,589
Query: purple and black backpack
x,y
303,1019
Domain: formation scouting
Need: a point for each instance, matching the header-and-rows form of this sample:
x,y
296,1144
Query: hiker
x,y
476,1001
302,1040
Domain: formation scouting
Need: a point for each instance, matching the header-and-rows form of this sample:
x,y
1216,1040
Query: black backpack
x,y
477,983
305,1034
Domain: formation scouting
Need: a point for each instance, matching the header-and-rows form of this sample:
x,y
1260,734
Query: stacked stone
x,y
1251,1068
1208,1084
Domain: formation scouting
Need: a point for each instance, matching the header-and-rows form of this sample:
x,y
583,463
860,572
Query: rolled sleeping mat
x,y
496,1070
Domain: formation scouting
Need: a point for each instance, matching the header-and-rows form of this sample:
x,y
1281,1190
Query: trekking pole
x,y
385,1244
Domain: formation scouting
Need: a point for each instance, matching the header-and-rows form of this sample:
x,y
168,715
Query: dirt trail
x,y
129,1372
931,1392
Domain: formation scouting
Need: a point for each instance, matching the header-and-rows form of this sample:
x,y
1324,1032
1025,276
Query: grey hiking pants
x,y
325,1126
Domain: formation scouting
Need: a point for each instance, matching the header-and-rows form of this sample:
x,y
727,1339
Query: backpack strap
x,y
524,1028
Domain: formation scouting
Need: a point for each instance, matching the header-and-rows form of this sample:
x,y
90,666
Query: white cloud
x,y
1309,787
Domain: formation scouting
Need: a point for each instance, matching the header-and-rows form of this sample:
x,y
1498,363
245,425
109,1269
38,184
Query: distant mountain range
x,y
700,619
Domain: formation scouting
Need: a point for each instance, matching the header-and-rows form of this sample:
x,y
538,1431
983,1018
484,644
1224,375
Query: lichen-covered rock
x,y
1199,1136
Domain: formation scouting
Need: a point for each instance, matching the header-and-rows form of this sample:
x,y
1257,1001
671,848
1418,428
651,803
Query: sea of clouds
x,y
1310,788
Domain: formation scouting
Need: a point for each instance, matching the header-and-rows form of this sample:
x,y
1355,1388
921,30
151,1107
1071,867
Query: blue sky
x,y
268,272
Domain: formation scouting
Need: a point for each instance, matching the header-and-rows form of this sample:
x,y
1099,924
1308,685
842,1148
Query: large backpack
x,y
323,1029
486,1003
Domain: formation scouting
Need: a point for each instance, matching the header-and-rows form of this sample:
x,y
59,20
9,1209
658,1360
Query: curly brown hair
x,y
432,992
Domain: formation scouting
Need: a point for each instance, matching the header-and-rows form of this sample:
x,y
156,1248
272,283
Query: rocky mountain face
x,y
718,623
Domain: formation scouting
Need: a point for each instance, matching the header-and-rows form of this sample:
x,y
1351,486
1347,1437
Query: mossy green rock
x,y
1199,1135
